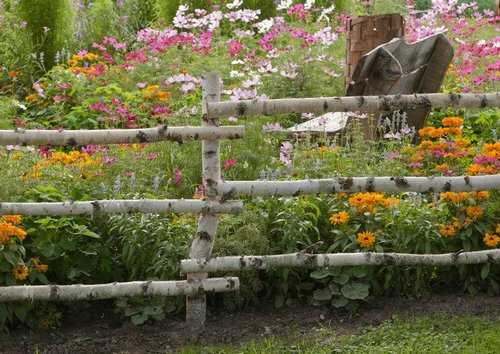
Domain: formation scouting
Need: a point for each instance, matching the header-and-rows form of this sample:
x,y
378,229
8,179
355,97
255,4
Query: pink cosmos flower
x,y
229,163
177,177
234,47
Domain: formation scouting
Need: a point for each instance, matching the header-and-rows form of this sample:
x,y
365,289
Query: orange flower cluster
x,y
458,197
8,228
448,230
12,219
20,272
367,202
85,59
452,122
76,159
491,240
42,268
87,64
488,162
339,218
153,92
365,239
435,133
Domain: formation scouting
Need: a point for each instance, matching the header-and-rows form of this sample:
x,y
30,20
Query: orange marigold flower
x,y
12,74
454,197
42,268
491,240
481,195
452,131
474,211
339,218
20,272
452,122
468,221
8,230
448,230
12,219
390,202
365,239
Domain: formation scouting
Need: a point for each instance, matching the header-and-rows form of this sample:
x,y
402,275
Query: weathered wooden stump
x,y
397,67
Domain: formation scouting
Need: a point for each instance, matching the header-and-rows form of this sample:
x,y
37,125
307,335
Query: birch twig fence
x,y
219,192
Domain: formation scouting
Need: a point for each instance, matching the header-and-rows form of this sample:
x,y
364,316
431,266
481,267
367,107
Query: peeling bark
x,y
360,184
115,290
237,263
121,207
202,244
116,136
348,104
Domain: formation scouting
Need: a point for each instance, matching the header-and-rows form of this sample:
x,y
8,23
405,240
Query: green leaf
x,y
320,274
322,294
356,291
339,302
485,270
11,258
341,279
139,319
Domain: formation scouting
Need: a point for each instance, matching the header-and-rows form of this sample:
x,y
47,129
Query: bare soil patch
x,y
101,331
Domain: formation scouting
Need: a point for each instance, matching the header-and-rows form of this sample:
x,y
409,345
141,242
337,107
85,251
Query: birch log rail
x,y
120,206
238,263
115,290
348,104
116,136
202,243
230,189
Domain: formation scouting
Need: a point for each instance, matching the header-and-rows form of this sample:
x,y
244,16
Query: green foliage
x,y
403,334
167,9
267,8
102,21
50,24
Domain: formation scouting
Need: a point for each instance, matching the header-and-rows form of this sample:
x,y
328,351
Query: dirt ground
x,y
103,332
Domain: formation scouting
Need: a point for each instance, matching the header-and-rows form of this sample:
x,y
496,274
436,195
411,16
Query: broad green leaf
x,y
356,291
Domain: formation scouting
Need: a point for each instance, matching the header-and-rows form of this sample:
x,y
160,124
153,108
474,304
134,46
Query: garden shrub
x,y
50,24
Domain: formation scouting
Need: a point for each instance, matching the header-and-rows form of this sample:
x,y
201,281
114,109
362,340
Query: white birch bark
x,y
350,104
230,189
115,290
237,263
121,207
202,244
117,136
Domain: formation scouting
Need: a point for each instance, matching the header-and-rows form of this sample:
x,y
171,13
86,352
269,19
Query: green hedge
x,y
55,15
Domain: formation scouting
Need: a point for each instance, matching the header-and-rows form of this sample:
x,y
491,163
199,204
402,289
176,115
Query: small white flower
x,y
265,26
284,5
234,5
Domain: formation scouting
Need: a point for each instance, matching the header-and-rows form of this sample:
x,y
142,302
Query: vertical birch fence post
x,y
201,247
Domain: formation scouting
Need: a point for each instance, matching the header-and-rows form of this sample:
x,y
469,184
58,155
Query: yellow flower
x,y
365,239
491,240
448,230
12,219
339,218
474,211
20,272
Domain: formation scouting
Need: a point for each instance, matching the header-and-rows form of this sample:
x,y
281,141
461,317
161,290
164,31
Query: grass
x,y
428,334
